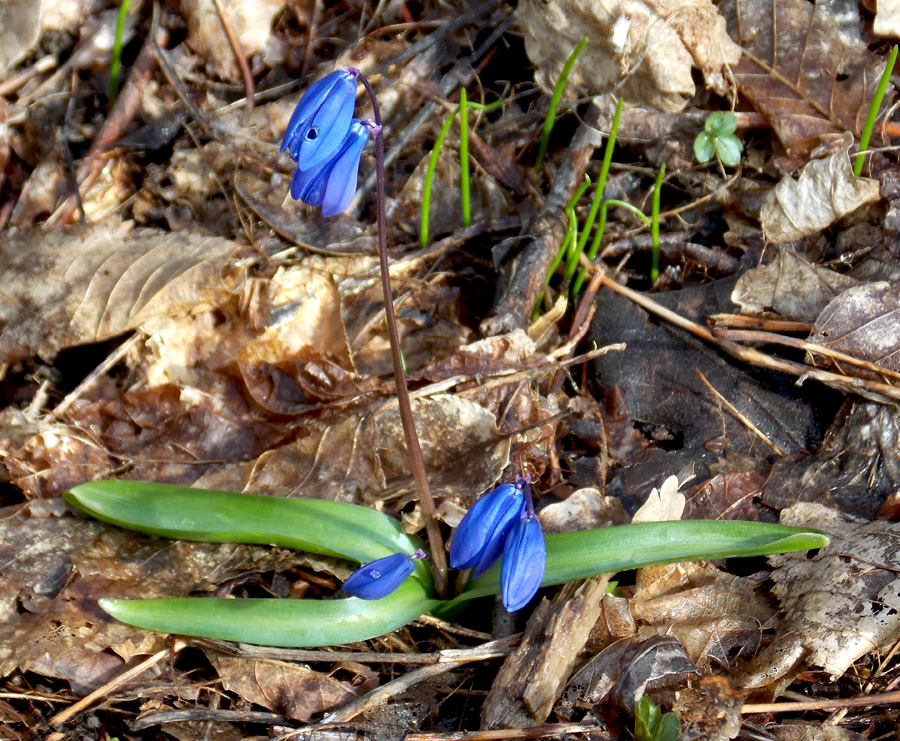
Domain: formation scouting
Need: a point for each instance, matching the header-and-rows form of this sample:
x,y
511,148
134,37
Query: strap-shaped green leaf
x,y
608,550
331,528
293,623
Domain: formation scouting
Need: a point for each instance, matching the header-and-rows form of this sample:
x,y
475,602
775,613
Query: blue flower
x,y
321,120
332,184
524,558
379,578
479,538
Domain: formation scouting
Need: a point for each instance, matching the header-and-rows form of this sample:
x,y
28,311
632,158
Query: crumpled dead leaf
x,y
826,191
863,322
20,28
840,604
584,509
648,61
789,287
663,504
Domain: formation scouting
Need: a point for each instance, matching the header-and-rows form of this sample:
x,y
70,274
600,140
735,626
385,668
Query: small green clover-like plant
x,y
651,725
364,535
718,140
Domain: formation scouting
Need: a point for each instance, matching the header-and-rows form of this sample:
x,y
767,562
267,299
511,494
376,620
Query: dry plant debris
x,y
167,314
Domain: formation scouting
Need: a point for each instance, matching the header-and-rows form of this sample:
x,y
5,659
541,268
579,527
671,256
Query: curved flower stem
x,y
416,462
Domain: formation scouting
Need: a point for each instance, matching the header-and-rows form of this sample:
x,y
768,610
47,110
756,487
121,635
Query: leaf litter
x,y
200,329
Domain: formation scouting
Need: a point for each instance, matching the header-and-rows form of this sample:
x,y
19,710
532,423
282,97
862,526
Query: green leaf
x,y
294,623
728,150
331,528
704,148
608,550
721,123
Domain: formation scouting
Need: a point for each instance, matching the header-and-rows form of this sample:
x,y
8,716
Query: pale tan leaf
x,y
66,287
887,19
826,191
665,503
20,28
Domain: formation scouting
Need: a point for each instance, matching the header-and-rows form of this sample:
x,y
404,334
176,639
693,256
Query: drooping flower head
x,y
381,577
332,184
524,559
479,538
321,120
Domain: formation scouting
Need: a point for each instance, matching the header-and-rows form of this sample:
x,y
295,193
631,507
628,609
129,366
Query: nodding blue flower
x,y
379,578
524,559
332,184
479,538
321,120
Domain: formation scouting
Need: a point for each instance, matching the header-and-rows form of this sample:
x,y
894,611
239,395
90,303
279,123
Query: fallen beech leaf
x,y
789,288
67,287
840,604
826,192
649,61
296,691
863,322
727,496
802,70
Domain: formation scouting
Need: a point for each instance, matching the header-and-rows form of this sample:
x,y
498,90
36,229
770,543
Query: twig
x,y
558,730
416,461
885,698
238,55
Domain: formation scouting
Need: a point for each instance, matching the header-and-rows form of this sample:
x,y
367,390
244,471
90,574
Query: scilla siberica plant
x,y
396,585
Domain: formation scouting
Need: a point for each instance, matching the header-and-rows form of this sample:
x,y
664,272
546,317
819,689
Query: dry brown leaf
x,y
863,322
67,287
645,49
710,710
294,690
357,456
826,191
840,604
663,504
584,509
251,21
20,28
727,496
802,70
789,288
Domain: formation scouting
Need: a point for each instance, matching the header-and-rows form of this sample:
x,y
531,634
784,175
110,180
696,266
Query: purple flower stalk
x,y
524,559
381,577
321,120
479,538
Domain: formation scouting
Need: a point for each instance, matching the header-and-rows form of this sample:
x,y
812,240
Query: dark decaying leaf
x,y
840,604
863,322
69,287
710,710
809,79
727,496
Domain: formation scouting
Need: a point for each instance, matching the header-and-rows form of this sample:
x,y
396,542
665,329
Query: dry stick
x,y
885,698
239,57
416,462
589,729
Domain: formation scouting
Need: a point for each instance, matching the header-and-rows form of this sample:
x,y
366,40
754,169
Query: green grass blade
x,y
872,117
116,61
573,252
608,550
429,177
330,528
294,623
464,156
554,104
654,224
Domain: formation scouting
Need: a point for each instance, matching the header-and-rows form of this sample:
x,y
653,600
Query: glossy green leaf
x,y
608,550
728,150
330,528
295,623
704,147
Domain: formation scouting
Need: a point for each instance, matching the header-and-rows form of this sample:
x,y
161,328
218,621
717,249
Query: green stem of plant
x,y
554,104
654,224
464,156
414,449
872,117
116,62
572,256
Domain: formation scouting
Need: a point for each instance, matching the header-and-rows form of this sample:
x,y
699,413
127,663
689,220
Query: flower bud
x,y
321,120
524,558
478,540
379,578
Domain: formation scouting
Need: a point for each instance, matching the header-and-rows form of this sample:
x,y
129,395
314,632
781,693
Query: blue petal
x,y
479,538
379,578
321,120
524,558
333,183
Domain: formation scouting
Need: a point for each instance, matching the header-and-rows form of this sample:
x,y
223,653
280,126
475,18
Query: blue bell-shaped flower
x,y
478,540
321,120
332,184
524,559
379,578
